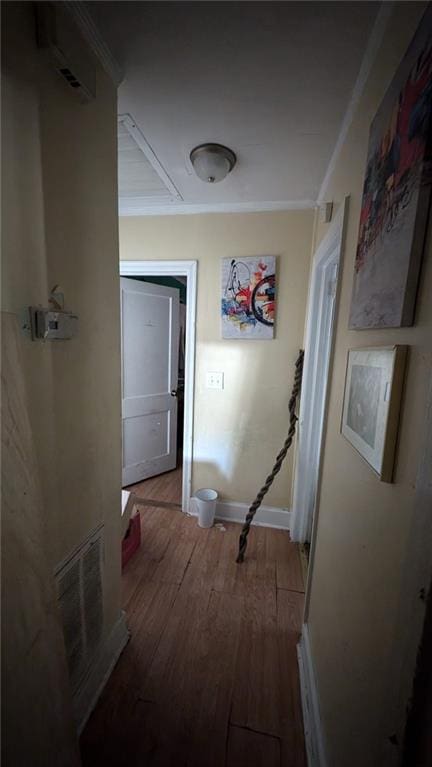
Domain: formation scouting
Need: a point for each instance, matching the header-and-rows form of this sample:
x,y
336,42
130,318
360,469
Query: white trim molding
x,y
140,206
233,511
370,54
188,269
320,322
313,729
83,19
99,672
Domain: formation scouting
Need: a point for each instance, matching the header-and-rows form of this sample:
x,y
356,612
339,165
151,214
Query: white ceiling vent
x,y
140,174
79,588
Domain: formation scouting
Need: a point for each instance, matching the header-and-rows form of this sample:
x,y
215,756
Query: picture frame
x,y
248,298
371,407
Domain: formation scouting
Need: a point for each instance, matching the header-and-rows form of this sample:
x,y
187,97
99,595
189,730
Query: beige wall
x,y
363,524
237,431
59,213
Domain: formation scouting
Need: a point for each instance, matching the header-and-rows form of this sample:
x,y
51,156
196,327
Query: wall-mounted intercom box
x,y
52,325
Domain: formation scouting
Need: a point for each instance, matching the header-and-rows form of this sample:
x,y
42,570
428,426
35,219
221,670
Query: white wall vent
x,y
79,588
140,174
68,52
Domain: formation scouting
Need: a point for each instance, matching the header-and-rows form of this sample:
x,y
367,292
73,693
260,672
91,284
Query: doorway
x,y
169,287
318,349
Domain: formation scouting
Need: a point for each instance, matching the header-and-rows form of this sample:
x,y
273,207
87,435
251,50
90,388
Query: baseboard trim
x,y
313,729
233,511
91,687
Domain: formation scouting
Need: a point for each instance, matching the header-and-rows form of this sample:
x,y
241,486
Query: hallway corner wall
x,y
237,431
59,227
357,595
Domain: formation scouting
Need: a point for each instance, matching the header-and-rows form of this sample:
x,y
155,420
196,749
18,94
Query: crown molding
x,y
89,30
370,54
142,207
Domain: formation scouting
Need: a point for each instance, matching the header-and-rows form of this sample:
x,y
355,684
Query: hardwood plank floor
x,y
209,677
246,747
164,487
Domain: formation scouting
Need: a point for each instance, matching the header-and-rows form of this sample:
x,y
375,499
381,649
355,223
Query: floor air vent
x,y
79,588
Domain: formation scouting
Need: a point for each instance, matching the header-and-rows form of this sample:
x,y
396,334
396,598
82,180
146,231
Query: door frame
x,y
320,324
189,270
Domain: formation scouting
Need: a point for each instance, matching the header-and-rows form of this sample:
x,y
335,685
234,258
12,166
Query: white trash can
x,y
206,503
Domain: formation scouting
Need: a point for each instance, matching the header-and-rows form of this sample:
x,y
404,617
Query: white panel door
x,y
150,336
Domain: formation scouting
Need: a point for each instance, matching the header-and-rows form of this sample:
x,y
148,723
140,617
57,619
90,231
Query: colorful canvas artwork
x,y
248,297
396,194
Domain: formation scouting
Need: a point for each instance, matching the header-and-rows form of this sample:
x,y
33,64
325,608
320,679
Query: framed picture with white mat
x,y
370,416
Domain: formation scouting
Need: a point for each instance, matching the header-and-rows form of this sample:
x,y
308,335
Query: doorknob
x,y
174,393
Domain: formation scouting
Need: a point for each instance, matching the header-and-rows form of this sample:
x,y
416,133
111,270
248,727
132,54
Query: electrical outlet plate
x,y
214,380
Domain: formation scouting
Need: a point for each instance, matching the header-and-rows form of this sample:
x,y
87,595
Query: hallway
x,y
209,677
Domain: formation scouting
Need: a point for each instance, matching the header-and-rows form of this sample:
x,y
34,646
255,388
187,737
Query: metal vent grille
x,y
79,588
70,77
140,174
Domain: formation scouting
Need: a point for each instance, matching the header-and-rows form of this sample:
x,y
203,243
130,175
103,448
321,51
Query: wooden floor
x,y
164,487
209,677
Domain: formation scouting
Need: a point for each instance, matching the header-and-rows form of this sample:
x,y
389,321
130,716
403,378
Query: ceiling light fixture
x,y
212,162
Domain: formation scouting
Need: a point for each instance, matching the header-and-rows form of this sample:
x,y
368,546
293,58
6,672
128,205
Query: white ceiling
x,y
271,80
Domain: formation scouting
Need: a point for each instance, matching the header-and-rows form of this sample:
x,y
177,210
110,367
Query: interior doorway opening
x,y
320,324
156,486
158,307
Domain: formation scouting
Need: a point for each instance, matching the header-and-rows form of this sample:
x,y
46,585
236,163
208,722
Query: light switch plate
x,y
214,380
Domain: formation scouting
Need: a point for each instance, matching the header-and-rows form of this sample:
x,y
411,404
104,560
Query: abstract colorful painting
x,y
396,194
248,297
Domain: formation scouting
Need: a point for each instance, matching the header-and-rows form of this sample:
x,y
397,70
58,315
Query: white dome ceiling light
x,y
212,162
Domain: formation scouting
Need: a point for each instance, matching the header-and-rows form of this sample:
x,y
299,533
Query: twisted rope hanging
x,y
279,460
